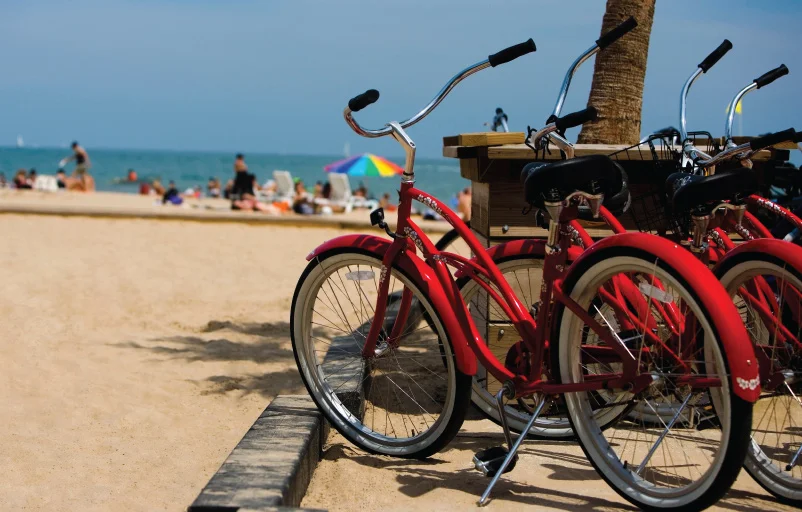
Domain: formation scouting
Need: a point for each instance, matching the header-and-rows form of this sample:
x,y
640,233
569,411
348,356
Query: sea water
x,y
439,177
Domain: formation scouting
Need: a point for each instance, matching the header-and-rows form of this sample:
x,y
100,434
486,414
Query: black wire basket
x,y
658,156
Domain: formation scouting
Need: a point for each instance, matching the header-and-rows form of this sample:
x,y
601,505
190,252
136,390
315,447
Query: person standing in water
x,y
81,157
83,181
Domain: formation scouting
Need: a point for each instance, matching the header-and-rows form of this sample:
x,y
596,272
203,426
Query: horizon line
x,y
213,151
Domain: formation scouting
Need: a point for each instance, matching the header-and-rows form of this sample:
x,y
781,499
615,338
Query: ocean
x,y
439,177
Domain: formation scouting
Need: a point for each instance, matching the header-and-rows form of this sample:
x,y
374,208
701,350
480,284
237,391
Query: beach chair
x,y
46,183
285,187
342,196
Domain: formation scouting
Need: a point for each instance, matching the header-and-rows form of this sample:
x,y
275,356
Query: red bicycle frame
x,y
535,333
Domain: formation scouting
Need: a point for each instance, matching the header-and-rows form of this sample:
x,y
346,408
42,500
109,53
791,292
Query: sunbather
x,y
244,198
302,203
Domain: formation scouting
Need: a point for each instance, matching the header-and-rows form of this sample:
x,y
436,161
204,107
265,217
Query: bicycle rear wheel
x,y
767,293
689,462
524,274
407,401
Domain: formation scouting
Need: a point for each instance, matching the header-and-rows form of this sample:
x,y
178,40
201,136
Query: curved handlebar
x,y
361,101
601,43
512,53
769,77
757,83
370,96
561,123
575,119
616,33
771,139
742,151
715,56
703,67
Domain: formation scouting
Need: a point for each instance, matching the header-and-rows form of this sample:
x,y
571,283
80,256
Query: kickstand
x,y
511,453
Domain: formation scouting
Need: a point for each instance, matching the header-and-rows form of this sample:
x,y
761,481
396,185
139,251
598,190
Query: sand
x,y
550,475
136,354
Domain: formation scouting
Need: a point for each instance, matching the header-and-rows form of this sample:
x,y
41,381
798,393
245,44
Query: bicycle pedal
x,y
708,421
489,461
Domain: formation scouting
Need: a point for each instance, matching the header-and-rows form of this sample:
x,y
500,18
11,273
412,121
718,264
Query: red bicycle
x,y
764,277
394,376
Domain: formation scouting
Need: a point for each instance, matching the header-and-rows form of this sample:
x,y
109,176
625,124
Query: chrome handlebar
x,y
381,132
363,100
601,43
757,83
590,52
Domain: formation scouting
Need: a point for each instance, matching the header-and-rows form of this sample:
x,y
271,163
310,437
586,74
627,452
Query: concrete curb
x,y
272,465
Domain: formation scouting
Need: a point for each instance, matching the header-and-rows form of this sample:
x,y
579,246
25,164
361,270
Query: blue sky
x,y
274,76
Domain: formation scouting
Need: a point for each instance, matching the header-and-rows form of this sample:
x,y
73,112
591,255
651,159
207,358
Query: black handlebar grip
x,y
717,54
616,33
511,53
357,103
772,139
575,119
774,74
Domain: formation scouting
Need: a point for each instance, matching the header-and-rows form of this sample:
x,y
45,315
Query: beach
x,y
137,353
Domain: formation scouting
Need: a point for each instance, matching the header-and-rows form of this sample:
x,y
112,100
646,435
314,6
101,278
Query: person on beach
x,y
158,188
81,180
499,121
244,197
464,204
385,203
171,195
239,163
362,191
32,177
81,157
3,182
61,179
21,180
213,187
302,203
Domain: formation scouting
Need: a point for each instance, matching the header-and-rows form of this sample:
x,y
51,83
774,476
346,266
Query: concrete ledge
x,y
272,464
203,215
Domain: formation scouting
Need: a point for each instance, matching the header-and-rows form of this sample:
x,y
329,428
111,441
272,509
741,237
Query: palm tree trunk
x,y
617,89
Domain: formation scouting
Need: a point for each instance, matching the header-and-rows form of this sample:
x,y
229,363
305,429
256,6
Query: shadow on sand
x,y
261,343
418,477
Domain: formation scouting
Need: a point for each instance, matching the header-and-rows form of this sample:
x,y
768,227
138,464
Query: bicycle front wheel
x,y
409,400
768,293
690,461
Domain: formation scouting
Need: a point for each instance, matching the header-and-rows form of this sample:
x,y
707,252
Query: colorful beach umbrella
x,y
365,165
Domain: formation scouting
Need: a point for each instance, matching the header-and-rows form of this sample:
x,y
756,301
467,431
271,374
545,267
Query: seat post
x,y
700,225
555,209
